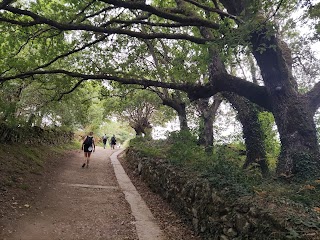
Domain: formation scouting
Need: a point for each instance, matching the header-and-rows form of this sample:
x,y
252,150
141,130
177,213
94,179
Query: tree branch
x,y
165,25
229,83
5,3
85,8
85,27
72,52
144,82
96,13
224,82
183,20
31,37
215,10
72,89
163,14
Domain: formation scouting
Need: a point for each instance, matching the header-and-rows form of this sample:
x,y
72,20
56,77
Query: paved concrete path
x,y
92,203
147,228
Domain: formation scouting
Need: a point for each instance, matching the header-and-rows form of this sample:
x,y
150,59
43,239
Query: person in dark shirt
x,y
113,142
88,147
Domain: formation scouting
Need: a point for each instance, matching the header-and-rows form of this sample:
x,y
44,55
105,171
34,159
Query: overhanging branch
x,y
72,52
136,5
215,10
130,81
226,82
72,89
188,21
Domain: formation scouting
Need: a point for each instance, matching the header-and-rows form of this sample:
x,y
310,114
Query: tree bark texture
x,y
180,107
142,127
208,114
248,115
292,111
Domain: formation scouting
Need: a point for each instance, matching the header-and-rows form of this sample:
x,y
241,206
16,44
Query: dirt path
x,y
80,203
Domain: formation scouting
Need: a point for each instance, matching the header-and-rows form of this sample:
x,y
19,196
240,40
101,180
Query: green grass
x,y
221,167
22,160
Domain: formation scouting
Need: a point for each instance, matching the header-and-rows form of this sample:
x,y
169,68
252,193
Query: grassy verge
x,y
20,162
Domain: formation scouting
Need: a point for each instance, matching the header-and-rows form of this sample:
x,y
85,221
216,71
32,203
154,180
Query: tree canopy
x,y
186,45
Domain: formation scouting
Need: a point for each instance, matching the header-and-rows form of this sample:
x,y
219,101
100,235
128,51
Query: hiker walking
x,y
104,140
113,141
88,147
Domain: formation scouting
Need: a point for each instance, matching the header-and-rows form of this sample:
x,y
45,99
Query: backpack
x,y
88,141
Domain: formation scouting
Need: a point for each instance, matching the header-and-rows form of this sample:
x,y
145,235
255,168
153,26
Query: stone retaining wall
x,y
211,213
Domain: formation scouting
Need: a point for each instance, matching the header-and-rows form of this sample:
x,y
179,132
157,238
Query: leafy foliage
x,y
122,131
272,144
223,170
181,149
140,108
132,40
184,149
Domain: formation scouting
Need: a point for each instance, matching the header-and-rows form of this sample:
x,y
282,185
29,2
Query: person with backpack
x,y
104,140
88,147
113,141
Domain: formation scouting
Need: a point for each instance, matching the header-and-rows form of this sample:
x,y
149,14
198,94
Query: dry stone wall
x,y
211,213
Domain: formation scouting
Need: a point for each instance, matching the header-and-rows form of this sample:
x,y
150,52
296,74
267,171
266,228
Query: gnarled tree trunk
x,y
292,111
248,115
142,127
293,115
180,107
208,114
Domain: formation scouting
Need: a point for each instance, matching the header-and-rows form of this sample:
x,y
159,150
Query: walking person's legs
x,y
88,158
85,159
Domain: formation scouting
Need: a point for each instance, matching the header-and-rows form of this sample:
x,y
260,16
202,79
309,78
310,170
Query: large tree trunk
x,y
248,115
299,151
180,107
293,115
292,111
142,127
208,114
182,114
138,131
